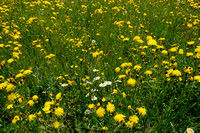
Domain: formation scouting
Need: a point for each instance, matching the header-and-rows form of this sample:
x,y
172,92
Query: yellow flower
x,y
141,111
9,106
191,43
148,72
100,112
115,91
1,78
31,117
140,41
164,52
124,95
91,106
197,78
20,100
119,117
174,49
131,82
104,128
117,69
126,39
56,124
27,72
129,107
103,99
46,109
152,42
19,75
10,87
189,25
136,38
129,124
176,73
149,37
15,119
3,85
134,119
30,102
137,67
39,113
59,111
189,54
10,60
12,97
180,51
110,107
121,76
35,97
58,96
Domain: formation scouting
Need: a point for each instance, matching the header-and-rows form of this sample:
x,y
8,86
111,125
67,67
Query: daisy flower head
x,y
107,82
93,90
96,78
190,130
87,94
95,70
93,41
94,98
87,112
102,85
64,84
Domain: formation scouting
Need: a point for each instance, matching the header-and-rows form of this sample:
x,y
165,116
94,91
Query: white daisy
x,y
87,95
96,78
95,70
93,41
64,84
190,130
87,112
88,82
108,82
94,98
93,90
102,85
119,81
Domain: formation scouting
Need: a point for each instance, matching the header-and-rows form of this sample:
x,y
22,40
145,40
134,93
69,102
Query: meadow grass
x,y
100,66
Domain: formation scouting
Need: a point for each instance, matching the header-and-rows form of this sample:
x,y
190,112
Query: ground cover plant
x,y
100,66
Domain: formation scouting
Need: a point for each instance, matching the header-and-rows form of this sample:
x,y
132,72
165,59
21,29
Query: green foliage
x,y
99,65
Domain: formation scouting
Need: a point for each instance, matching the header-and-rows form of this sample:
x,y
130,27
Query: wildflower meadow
x,y
100,66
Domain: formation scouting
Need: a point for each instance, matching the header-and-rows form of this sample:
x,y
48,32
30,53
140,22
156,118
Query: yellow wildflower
x,y
131,82
30,102
59,111
10,87
31,117
141,111
56,124
119,117
100,112
134,119
110,107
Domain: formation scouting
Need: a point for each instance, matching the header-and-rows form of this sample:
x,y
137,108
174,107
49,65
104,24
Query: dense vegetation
x,y
100,66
